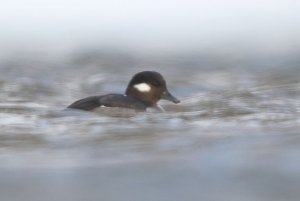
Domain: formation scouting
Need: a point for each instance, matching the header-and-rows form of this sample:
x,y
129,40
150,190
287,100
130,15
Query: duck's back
x,y
110,100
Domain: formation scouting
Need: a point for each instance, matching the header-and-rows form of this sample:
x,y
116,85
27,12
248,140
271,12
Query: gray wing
x,y
110,100
88,103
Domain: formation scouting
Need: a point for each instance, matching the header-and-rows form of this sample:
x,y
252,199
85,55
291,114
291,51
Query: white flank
x,y
142,87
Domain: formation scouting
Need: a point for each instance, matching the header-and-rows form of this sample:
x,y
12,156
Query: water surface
x,y
234,136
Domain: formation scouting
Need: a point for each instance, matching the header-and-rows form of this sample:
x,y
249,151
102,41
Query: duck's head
x,y
149,87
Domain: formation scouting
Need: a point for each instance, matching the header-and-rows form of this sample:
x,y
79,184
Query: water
x,y
234,136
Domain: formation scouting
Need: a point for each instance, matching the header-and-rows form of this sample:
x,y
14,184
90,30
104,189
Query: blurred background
x,y
233,64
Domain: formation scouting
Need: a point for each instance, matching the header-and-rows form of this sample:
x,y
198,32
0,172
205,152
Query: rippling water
x,y
235,135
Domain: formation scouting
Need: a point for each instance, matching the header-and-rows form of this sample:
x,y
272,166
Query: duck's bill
x,y
168,96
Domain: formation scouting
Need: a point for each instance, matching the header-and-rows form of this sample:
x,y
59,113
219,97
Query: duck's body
x,y
109,100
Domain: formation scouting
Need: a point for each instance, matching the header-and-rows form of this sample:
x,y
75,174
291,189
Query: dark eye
x,y
156,83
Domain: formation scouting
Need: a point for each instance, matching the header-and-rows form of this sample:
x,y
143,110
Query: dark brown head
x,y
149,87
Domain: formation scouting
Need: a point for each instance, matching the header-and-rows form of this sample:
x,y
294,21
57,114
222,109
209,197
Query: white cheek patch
x,y
142,87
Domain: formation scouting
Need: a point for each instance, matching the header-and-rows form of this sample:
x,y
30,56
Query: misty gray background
x,y
269,27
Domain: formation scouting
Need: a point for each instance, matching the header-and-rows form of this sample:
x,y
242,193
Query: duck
x,y
143,91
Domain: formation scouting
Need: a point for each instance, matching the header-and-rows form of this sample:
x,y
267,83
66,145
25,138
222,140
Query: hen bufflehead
x,y
144,90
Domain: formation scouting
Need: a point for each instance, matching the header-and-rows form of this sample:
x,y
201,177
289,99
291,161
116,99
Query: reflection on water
x,y
235,136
